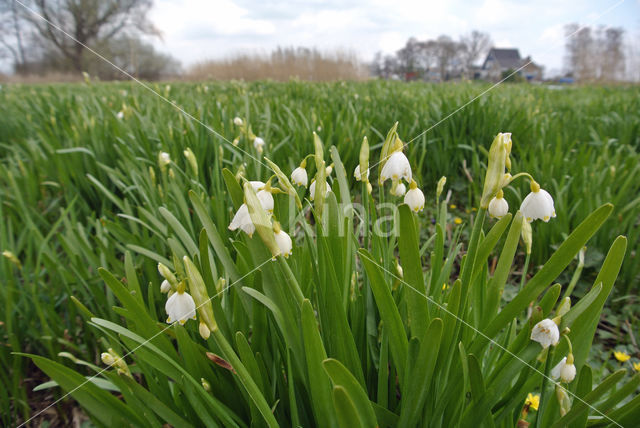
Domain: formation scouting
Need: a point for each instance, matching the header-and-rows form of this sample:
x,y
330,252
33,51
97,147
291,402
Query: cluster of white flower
x,y
546,333
242,218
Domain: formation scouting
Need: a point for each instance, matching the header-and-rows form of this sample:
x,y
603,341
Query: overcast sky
x,y
199,29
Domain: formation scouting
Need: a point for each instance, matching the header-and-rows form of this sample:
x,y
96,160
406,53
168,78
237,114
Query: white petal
x,y
357,175
242,220
299,177
555,372
312,190
568,373
165,287
401,189
284,243
180,307
266,200
257,185
546,333
498,207
396,168
415,199
538,205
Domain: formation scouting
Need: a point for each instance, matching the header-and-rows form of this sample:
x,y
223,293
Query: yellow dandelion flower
x,y
621,356
453,206
457,220
444,286
636,366
533,401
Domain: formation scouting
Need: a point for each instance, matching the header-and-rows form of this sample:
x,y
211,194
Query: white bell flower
x,y
538,204
565,370
546,333
266,200
414,197
357,175
165,286
180,307
237,121
400,190
242,220
312,190
120,115
396,168
164,159
284,242
258,144
299,177
498,206
257,185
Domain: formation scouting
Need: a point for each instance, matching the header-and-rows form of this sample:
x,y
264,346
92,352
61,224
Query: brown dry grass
x,y
41,78
281,65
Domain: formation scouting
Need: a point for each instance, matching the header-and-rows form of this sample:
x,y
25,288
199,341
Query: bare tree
x,y
90,22
447,56
474,46
409,57
612,56
580,52
11,33
595,54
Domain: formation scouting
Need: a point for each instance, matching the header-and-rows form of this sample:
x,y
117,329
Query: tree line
x,y
114,28
440,59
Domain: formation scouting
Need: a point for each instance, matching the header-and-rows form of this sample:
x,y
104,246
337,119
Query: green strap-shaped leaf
x,y
420,375
214,237
584,327
99,403
345,409
388,312
319,384
551,269
341,377
412,268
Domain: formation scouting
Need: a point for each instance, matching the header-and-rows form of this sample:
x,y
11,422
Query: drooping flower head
x,y
258,144
299,176
312,190
414,197
399,190
565,370
180,306
538,204
546,333
283,240
396,168
237,121
498,206
242,220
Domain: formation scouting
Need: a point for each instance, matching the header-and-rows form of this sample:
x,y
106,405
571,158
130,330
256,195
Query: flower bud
x,y
498,153
205,384
201,297
440,187
107,359
191,158
204,330
237,121
165,286
167,274
284,182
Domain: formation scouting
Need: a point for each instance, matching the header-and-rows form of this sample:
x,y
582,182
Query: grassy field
x,y
81,188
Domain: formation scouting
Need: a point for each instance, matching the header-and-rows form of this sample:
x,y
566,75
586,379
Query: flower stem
x,y
291,280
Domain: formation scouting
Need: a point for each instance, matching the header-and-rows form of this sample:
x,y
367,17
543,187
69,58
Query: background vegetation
x,y
77,193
